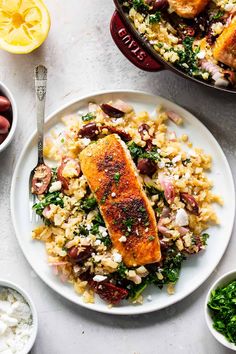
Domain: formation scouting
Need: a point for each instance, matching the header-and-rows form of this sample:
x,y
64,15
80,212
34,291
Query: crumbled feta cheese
x,y
5,307
161,164
3,328
181,218
134,277
97,242
103,231
187,175
176,158
123,239
15,322
117,257
229,7
113,194
85,141
9,321
187,240
118,121
99,278
217,28
201,54
55,186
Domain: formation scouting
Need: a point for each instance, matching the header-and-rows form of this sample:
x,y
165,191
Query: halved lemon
x,y
24,25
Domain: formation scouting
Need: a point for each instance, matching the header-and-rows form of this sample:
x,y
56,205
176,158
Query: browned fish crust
x,y
113,178
225,46
188,8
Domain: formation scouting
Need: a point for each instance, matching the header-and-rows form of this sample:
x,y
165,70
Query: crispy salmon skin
x,y
188,8
225,46
127,212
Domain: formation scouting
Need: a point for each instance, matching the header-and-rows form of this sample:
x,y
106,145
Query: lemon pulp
x,y
24,25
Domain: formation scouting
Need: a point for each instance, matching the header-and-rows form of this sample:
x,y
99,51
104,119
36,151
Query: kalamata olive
x,y
109,292
157,4
143,130
191,203
5,104
4,125
73,252
2,137
146,166
124,136
41,179
164,245
80,256
65,181
89,131
112,111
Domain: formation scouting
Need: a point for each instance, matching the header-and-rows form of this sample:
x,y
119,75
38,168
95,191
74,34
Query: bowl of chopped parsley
x,y
220,310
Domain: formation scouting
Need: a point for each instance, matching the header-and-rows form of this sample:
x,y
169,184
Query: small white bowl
x,y
7,93
223,280
8,284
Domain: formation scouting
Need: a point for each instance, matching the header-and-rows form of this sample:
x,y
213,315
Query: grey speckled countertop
x,y
82,58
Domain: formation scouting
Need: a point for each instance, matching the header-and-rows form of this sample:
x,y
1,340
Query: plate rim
x,y
118,310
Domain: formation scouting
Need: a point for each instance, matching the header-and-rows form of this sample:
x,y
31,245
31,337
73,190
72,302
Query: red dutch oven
x,y
140,52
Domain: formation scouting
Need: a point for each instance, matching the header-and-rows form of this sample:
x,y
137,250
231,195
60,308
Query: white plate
x,y
195,270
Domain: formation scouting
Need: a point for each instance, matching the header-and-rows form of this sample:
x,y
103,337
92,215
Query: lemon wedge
x,y
24,25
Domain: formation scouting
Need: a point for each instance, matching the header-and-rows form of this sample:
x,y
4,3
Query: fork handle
x,y
40,91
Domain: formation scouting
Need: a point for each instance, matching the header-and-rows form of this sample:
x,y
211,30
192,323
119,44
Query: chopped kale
x,y
49,198
88,204
122,270
106,241
172,265
151,190
83,230
136,290
137,151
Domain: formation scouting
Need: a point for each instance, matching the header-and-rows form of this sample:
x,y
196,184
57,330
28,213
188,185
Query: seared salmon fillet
x,y
225,46
113,178
188,8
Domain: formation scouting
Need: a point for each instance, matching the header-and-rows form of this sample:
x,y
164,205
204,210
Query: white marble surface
x,y
82,58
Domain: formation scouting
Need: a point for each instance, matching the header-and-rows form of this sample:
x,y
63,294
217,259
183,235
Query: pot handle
x,y
131,49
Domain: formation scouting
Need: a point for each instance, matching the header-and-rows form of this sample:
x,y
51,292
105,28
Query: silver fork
x,y
40,77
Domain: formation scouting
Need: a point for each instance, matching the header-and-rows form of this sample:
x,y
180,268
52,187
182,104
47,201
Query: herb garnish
x,y
185,162
87,117
139,5
223,310
155,18
116,177
128,223
204,238
218,15
188,57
